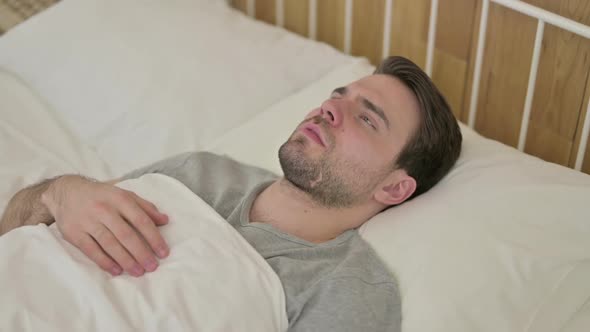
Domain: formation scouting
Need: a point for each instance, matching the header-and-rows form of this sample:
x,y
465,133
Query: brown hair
x,y
435,146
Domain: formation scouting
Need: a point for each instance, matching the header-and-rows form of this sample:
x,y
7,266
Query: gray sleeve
x,y
165,166
350,304
219,180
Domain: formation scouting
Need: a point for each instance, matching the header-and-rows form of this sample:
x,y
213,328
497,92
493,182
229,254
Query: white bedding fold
x,y
213,279
35,144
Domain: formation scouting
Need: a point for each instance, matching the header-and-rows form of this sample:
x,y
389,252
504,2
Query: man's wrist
x,y
59,187
54,192
26,207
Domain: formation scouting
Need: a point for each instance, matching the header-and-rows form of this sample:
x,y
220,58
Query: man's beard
x,y
329,181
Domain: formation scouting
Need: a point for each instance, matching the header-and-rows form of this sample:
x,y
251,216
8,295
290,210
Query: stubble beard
x,y
323,178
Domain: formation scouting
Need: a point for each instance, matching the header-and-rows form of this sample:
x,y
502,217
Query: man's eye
x,y
367,120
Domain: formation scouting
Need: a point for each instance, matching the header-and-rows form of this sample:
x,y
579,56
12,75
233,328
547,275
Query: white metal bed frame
x,y
542,16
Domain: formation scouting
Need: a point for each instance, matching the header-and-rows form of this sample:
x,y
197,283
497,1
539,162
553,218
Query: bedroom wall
x,y
563,81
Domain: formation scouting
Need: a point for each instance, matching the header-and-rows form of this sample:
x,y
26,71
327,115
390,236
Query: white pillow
x,y
158,77
501,244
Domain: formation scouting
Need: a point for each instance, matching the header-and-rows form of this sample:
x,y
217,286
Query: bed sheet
x,y
213,280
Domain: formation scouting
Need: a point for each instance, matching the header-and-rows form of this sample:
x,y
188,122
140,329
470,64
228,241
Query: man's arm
x,y
108,224
26,207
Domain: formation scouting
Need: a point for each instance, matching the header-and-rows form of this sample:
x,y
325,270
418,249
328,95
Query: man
x,y
371,145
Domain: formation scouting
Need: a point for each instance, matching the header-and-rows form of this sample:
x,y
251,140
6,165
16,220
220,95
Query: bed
x,y
103,87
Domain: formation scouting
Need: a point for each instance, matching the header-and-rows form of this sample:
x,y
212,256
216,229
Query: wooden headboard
x,y
559,97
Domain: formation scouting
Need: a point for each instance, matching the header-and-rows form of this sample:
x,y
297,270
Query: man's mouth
x,y
313,131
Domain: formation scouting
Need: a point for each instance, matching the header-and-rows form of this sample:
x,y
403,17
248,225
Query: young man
x,y
371,145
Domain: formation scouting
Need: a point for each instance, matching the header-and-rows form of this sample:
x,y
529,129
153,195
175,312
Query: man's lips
x,y
314,132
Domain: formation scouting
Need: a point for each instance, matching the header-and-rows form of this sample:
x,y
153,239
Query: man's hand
x,y
115,228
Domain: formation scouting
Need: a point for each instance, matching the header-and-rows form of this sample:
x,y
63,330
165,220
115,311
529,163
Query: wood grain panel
x,y
586,162
330,23
504,76
297,16
451,55
560,88
367,29
572,9
449,73
561,80
266,11
464,116
456,20
13,12
558,95
409,29
583,114
241,5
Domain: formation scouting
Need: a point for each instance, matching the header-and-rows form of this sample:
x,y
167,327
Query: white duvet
x,y
213,279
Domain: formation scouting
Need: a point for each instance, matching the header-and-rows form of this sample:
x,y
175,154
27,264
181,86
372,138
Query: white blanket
x,y
213,279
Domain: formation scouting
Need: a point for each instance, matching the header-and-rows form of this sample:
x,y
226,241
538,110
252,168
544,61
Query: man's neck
x,y
293,211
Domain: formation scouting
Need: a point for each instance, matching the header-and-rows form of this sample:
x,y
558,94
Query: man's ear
x,y
396,189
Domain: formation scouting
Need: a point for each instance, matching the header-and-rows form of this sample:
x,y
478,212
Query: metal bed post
x,y
431,36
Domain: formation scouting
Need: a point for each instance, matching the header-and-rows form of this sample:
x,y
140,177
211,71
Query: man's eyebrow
x,y
341,90
367,103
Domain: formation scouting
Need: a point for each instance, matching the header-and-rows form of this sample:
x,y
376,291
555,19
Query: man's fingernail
x,y
116,270
151,265
162,252
137,271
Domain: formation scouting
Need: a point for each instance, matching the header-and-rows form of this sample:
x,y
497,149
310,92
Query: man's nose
x,y
331,114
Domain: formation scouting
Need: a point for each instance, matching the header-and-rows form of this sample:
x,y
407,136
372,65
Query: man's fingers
x,y
132,241
92,250
113,247
139,218
152,211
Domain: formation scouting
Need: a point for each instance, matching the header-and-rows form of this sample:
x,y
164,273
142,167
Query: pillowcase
x,y
170,75
500,244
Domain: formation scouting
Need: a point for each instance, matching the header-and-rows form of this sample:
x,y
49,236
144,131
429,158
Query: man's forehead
x,y
377,80
385,90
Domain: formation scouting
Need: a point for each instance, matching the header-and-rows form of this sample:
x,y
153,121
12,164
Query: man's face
x,y
343,150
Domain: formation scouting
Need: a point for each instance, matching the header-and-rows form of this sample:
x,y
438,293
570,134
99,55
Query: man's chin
x,y
296,164
295,147
298,152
